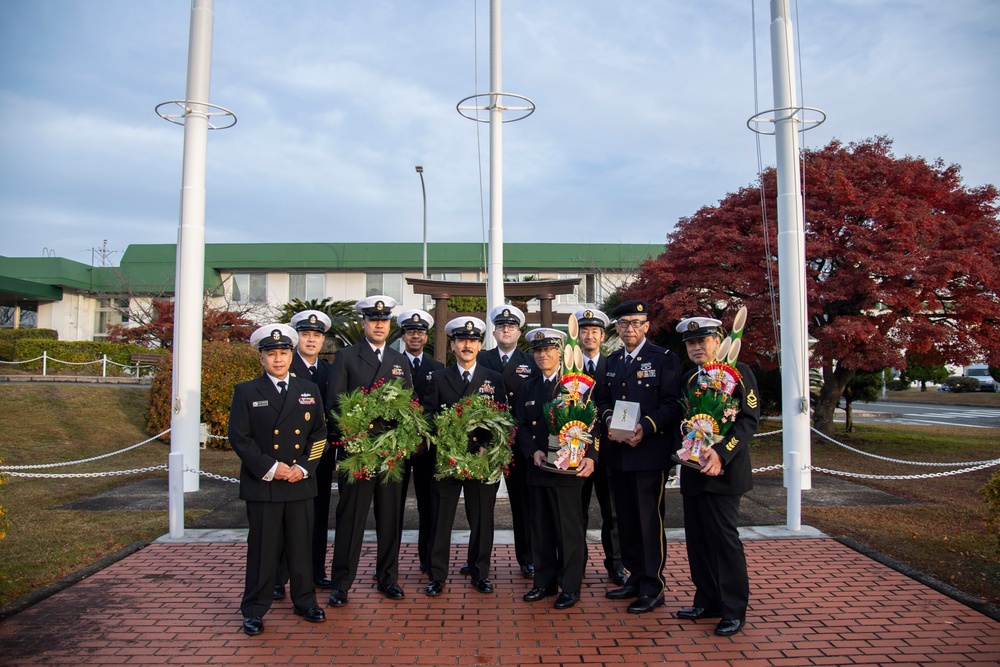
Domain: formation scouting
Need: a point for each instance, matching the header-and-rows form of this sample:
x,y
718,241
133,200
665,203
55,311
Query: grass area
x,y
932,395
942,534
46,423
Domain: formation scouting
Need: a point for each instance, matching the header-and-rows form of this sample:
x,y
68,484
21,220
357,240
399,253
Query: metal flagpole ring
x,y
790,113
496,102
188,108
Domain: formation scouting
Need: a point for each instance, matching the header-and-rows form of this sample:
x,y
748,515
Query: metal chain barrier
x,y
217,437
912,463
23,361
73,463
111,473
213,475
761,435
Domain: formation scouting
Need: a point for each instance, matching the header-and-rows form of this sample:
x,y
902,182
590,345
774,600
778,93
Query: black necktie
x,y
466,377
547,387
378,354
281,387
590,367
416,364
312,372
628,361
503,361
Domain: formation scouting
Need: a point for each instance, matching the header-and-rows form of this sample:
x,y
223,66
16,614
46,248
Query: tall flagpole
x,y
791,268
494,267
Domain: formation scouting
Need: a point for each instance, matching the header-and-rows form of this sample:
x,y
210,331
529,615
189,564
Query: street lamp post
x,y
423,188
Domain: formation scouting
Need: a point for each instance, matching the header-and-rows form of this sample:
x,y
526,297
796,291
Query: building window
x,y
109,312
453,277
249,288
389,284
307,286
576,297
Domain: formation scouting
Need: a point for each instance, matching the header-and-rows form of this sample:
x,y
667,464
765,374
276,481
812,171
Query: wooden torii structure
x,y
442,290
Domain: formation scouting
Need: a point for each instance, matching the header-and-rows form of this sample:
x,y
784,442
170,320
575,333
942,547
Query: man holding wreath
x,y
447,387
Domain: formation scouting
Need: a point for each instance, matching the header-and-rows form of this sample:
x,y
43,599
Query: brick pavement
x,y
814,602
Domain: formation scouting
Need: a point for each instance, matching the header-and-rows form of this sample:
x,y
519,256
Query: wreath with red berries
x,y
382,427
475,422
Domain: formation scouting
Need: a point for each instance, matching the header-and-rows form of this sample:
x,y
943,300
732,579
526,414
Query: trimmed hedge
x,y
9,338
78,351
960,383
223,366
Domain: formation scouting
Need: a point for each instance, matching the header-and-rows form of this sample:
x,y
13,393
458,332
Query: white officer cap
x,y
506,314
414,319
698,327
465,327
545,337
274,336
376,307
591,317
311,320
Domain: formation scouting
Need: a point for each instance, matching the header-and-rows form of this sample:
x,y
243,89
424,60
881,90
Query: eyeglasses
x,y
414,332
634,324
507,327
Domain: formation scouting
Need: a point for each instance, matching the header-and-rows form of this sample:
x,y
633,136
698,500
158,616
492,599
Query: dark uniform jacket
x,y
734,448
299,369
264,428
357,366
533,432
520,366
422,378
653,380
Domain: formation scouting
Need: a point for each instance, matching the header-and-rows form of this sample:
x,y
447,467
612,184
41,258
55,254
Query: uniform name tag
x,y
260,404
527,403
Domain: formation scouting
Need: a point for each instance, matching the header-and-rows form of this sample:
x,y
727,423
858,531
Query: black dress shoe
x,y
392,591
434,588
626,592
694,613
528,571
253,625
645,603
323,582
566,600
484,586
536,594
279,592
619,577
312,614
338,598
464,569
729,626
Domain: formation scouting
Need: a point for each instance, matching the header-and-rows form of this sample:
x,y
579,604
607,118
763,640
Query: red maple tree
x,y
900,257
217,325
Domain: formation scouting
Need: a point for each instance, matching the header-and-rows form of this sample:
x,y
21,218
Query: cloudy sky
x,y
641,112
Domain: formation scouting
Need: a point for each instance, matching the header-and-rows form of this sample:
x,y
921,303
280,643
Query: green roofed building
x,y
81,301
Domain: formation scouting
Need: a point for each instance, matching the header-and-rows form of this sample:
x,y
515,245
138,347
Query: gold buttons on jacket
x,y
296,447
297,431
276,431
276,446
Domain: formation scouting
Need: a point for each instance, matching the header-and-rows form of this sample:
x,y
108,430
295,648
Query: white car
x,y
982,373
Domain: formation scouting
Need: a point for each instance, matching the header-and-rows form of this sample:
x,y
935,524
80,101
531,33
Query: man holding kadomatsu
x,y
720,421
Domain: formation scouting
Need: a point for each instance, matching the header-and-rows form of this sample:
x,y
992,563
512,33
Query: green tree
x,y
865,387
924,368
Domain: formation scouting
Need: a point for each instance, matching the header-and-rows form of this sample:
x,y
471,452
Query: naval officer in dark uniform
x,y
711,496
276,427
361,366
311,326
415,325
649,375
555,507
592,323
515,366
447,387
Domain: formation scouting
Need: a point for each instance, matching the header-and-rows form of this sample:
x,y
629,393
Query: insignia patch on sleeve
x,y
731,445
752,400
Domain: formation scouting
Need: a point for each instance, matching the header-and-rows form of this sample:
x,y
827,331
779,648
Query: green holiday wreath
x,y
382,427
477,416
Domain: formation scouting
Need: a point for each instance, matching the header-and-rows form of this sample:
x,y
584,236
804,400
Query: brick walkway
x,y
814,602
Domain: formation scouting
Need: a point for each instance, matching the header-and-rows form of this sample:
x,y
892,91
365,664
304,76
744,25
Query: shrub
x,y
959,383
991,492
77,352
223,366
9,338
898,385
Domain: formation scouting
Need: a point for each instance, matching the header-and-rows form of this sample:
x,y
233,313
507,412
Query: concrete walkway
x,y
814,601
